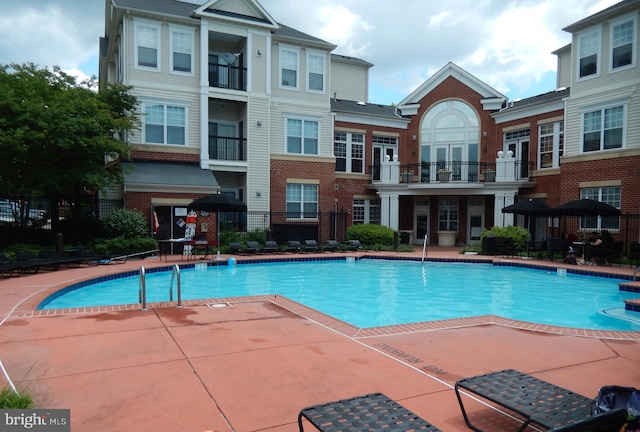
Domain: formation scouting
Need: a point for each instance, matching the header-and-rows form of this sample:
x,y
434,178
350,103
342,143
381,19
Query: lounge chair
x,y
311,246
374,412
54,259
537,402
253,247
236,248
86,257
293,246
353,245
32,264
271,246
332,246
9,267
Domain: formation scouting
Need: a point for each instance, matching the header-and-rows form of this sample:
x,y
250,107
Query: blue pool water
x,y
372,292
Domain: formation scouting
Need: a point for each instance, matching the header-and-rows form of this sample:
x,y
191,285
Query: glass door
x,y
449,160
379,152
520,149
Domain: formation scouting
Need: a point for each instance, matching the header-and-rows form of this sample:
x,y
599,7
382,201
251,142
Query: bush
x,y
124,245
12,400
519,235
371,234
126,223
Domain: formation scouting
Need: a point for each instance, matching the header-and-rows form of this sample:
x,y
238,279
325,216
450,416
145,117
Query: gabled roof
x,y
491,98
162,7
238,11
362,108
286,33
606,14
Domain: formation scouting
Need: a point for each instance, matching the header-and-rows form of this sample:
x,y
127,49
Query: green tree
x,y
55,132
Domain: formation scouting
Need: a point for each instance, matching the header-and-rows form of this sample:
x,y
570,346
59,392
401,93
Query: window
x,y
147,40
288,68
302,136
366,211
603,129
181,50
164,124
551,144
315,66
588,49
609,195
348,148
622,37
302,201
448,215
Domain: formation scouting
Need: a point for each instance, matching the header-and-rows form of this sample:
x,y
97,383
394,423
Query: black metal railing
x,y
452,171
230,149
228,77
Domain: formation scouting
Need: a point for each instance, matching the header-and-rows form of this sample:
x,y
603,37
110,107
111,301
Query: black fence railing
x,y
230,149
452,171
227,77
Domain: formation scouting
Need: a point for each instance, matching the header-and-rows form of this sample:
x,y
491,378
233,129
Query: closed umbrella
x,y
218,203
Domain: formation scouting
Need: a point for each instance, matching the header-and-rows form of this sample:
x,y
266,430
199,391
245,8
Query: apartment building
x,y
234,102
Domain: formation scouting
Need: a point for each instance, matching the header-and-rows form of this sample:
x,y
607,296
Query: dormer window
x,y
588,49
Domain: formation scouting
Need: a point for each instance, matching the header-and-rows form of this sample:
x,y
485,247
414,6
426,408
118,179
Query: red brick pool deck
x,y
251,364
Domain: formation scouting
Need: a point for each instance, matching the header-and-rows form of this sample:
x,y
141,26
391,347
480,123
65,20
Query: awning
x,y
168,177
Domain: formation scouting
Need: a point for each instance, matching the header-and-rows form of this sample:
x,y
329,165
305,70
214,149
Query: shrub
x,y
12,400
124,245
371,234
519,235
126,223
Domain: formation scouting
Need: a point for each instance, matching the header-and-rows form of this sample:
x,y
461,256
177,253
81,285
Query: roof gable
x,y
238,11
491,98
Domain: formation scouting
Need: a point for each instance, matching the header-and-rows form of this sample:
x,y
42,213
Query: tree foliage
x,y
55,132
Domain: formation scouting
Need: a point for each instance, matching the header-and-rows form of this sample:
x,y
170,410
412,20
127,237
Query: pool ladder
x,y
142,291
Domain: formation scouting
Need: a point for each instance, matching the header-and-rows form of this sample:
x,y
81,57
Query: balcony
x,y
228,149
227,77
450,172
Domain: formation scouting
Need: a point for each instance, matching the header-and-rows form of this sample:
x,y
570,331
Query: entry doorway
x,y
379,152
421,221
172,222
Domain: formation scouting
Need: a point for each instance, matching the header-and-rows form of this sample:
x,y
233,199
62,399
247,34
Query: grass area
x,y
12,400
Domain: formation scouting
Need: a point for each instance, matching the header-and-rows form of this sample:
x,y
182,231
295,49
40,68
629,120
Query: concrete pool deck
x,y
251,364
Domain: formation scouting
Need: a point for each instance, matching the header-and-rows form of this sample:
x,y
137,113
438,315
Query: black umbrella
x,y
218,203
529,208
586,207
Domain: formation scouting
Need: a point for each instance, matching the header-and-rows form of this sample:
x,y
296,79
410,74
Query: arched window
x,y
449,135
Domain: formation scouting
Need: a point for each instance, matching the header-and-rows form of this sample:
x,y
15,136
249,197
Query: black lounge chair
x,y
253,247
54,259
311,246
293,246
236,248
86,257
32,264
353,245
9,267
537,402
271,246
372,412
332,246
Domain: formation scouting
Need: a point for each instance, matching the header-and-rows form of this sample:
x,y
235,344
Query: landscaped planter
x,y
447,238
489,176
443,176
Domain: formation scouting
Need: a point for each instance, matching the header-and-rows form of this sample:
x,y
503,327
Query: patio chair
x,y
54,259
332,246
311,246
293,246
353,245
236,248
271,246
253,247
9,267
372,412
538,402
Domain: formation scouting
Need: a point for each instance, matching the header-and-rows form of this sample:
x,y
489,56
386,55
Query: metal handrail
x,y
142,290
176,271
634,273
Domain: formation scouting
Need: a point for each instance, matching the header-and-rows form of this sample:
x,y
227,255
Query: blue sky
x,y
504,43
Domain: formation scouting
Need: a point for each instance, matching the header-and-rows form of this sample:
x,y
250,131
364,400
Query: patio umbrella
x,y
218,203
586,207
530,209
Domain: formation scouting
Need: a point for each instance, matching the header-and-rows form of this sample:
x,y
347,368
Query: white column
x,y
394,210
204,93
505,167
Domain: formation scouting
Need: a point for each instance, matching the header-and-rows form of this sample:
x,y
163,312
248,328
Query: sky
x,y
507,44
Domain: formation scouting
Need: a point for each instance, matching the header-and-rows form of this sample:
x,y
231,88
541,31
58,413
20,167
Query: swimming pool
x,y
379,292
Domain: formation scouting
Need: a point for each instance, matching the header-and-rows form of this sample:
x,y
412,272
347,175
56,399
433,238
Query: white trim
x,y
634,42
189,31
158,28
296,51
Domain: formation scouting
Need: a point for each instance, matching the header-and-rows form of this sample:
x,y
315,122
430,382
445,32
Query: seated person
x,y
600,246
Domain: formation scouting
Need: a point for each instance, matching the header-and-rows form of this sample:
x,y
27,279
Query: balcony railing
x,y
227,77
451,171
230,149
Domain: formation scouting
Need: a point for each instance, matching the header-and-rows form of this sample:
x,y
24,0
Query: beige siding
x,y
257,154
564,70
278,116
349,82
258,64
